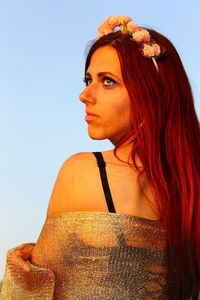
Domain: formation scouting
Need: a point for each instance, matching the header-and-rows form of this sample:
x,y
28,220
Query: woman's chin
x,y
96,136
93,137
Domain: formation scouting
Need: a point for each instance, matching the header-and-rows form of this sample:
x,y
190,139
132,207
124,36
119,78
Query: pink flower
x,y
101,28
106,21
156,48
138,36
132,26
124,19
151,50
114,21
146,35
108,30
148,51
104,29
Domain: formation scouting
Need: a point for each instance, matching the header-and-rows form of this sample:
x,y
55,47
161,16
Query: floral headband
x,y
140,35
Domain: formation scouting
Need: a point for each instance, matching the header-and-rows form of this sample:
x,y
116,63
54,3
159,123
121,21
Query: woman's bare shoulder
x,y
76,163
70,182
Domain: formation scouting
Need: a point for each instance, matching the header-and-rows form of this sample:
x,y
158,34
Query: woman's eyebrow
x,y
102,74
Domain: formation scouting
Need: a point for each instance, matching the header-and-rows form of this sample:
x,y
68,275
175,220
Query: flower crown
x,y
149,47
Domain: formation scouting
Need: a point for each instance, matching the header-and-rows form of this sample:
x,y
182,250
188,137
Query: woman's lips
x,y
89,117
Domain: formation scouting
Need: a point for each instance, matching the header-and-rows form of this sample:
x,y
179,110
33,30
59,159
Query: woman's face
x,y
105,96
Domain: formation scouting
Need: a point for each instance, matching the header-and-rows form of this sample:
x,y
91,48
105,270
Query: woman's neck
x,y
124,150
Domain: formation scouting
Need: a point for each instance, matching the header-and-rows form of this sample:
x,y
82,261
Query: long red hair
x,y
168,145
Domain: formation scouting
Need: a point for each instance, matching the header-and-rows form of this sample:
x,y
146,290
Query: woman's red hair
x,y
168,145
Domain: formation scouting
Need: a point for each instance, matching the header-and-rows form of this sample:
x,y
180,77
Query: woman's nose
x,y
87,95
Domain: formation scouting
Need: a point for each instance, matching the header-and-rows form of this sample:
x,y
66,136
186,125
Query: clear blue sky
x,y
42,44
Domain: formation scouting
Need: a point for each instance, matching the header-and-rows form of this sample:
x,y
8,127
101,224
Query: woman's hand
x,y
25,251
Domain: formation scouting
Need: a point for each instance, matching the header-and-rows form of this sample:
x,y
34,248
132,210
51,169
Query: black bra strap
x,y
104,180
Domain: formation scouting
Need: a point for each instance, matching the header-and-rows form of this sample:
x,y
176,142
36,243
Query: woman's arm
x,y
64,192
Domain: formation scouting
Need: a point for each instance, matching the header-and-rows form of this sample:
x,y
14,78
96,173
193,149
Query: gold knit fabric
x,y
91,255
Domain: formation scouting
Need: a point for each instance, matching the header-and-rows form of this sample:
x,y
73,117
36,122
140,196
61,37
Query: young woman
x,y
124,223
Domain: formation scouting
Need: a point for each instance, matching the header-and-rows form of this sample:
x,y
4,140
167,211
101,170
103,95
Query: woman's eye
x,y
108,81
87,81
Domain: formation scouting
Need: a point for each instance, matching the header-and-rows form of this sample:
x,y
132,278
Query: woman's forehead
x,y
105,59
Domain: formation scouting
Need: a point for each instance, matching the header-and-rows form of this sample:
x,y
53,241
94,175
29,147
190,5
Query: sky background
x,y
42,55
